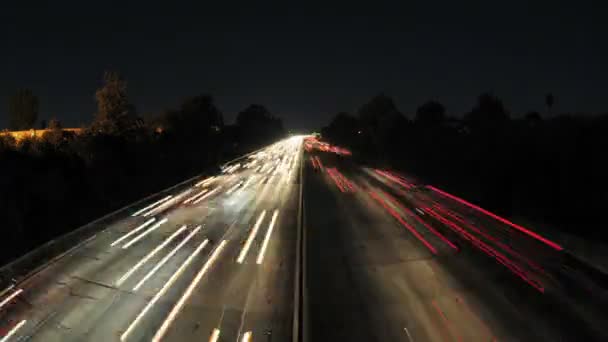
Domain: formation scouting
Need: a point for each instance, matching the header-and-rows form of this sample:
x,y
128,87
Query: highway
x,y
392,259
213,261
384,257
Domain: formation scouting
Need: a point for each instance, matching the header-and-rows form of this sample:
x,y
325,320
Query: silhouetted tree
x,y
488,113
23,109
549,101
432,113
381,123
343,129
256,125
114,112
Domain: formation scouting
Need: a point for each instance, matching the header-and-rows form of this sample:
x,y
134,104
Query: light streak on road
x,y
501,258
403,223
445,321
494,216
267,238
166,258
11,297
184,298
142,235
134,231
252,234
162,291
205,181
207,195
152,205
215,335
234,187
150,255
195,196
246,337
13,331
422,222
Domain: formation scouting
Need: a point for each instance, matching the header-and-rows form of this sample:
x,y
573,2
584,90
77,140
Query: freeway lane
x,y
178,265
390,260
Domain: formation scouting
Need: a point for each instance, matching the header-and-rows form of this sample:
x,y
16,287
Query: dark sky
x,y
306,62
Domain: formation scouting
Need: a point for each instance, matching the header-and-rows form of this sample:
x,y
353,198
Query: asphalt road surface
x,y
385,258
210,268
389,259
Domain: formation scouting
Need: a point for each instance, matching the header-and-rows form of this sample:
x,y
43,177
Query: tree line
x,y
53,184
548,169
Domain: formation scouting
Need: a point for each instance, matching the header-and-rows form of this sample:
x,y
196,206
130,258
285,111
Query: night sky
x,y
306,62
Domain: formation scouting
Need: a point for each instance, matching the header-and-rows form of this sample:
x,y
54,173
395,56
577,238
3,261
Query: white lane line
x,y
152,205
246,337
182,301
149,256
166,258
9,298
252,234
144,225
13,331
267,238
142,235
195,196
215,335
163,290
206,195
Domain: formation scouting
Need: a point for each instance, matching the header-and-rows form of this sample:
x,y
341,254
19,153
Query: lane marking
x,y
166,258
13,331
9,298
152,205
252,234
182,301
149,256
163,290
144,225
142,235
267,238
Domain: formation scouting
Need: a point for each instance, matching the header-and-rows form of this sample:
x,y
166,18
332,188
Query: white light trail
x,y
161,207
231,190
149,256
13,331
152,205
254,231
144,225
166,258
215,335
206,195
142,235
162,291
9,298
195,196
267,238
246,337
205,181
182,301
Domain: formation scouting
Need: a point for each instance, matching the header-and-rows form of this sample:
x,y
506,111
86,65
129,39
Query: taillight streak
x,y
503,220
426,225
487,249
403,223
